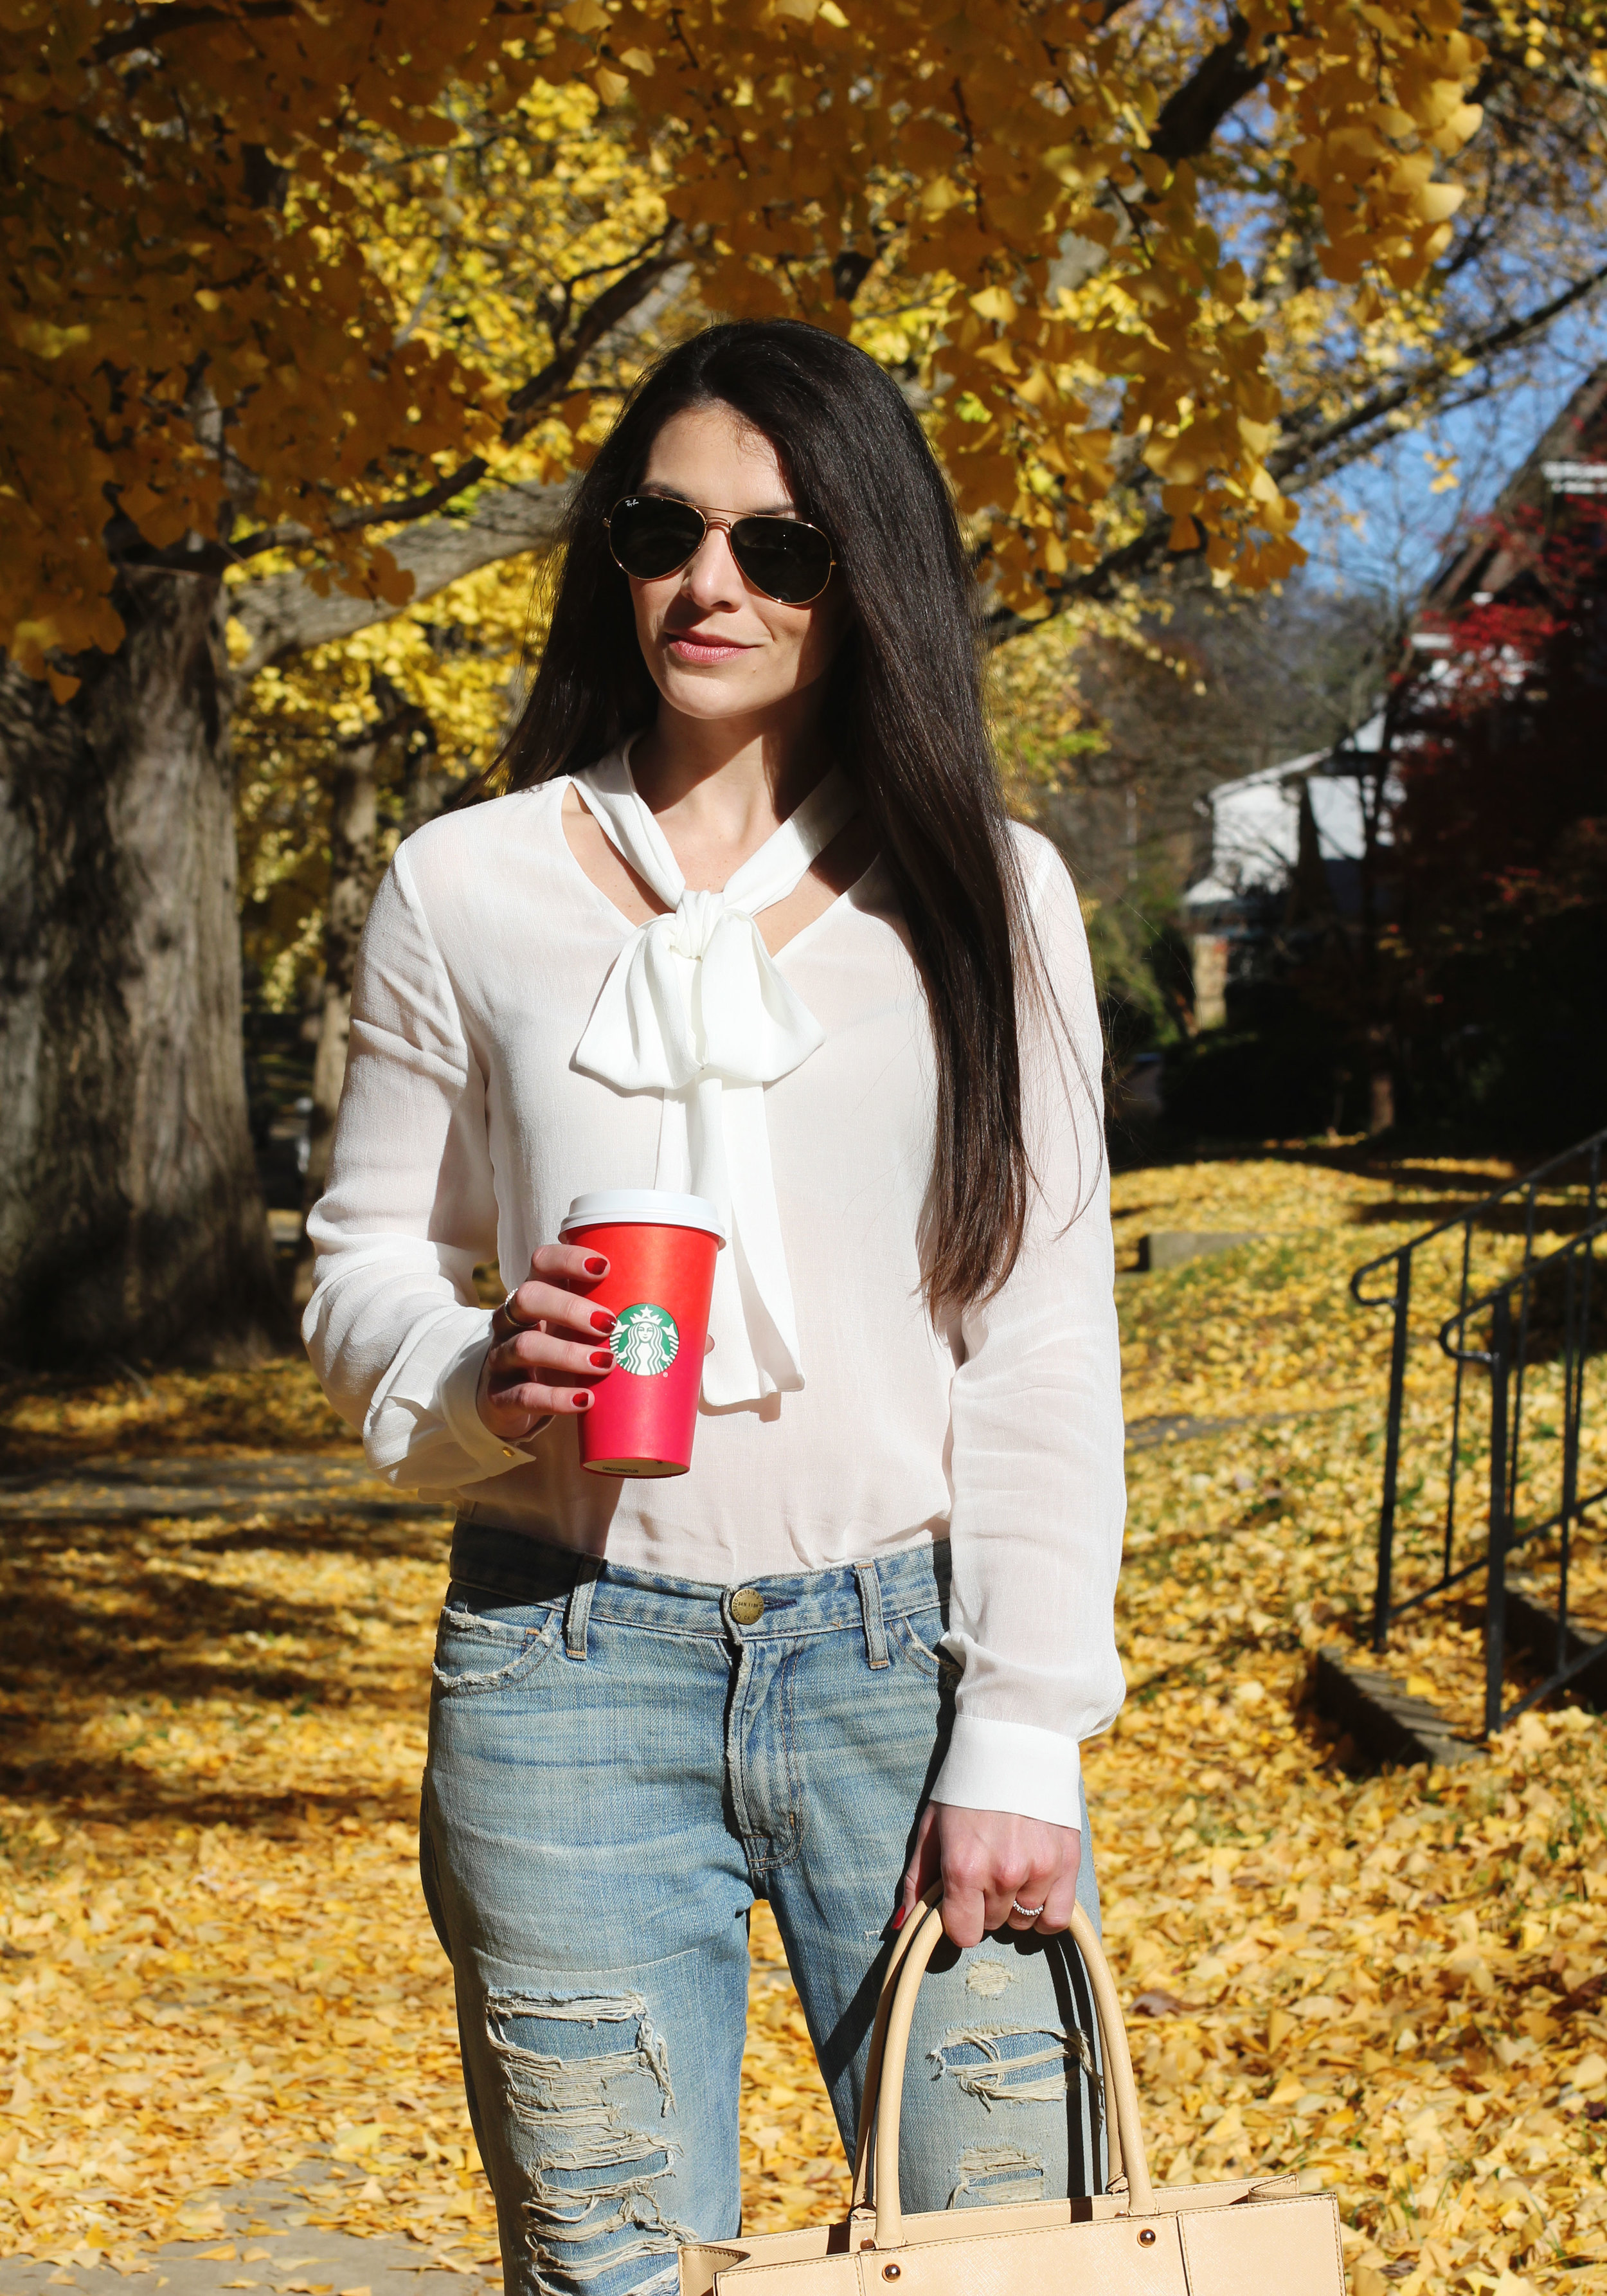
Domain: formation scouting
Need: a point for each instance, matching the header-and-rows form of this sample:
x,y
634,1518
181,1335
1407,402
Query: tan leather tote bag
x,y
1264,2237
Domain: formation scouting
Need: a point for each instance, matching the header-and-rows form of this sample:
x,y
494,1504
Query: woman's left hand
x,y
992,1864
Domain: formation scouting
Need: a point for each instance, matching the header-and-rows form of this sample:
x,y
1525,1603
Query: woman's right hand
x,y
542,1353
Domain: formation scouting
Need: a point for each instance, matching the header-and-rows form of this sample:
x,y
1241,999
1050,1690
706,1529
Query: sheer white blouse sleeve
x,y
394,1327
1039,1491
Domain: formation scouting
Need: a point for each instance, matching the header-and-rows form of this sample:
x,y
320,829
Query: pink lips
x,y
702,650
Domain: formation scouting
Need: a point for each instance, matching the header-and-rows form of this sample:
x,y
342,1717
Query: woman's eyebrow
x,y
674,493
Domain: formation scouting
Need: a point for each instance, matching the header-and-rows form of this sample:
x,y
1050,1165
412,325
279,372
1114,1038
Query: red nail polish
x,y
602,1321
898,1918
583,1399
596,1267
602,1359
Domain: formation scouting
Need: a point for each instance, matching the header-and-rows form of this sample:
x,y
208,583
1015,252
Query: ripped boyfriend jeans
x,y
620,1763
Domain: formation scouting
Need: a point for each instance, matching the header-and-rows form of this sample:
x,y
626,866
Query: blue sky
x,y
1384,526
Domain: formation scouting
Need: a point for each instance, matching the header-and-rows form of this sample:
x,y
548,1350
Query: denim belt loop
x,y
870,1605
578,1608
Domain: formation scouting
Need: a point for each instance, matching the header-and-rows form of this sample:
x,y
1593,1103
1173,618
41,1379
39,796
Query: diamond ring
x,y
1027,1912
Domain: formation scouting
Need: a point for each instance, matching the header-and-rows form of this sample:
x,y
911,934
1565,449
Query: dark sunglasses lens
x,y
782,557
651,537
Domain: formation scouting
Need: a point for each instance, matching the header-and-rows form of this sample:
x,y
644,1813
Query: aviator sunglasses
x,y
650,536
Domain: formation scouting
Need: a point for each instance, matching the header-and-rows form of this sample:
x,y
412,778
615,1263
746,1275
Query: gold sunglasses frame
x,y
725,526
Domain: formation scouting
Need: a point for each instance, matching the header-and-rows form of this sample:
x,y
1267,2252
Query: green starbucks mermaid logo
x,y
645,1340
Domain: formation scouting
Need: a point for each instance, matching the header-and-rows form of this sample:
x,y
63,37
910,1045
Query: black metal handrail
x,y
1385,1608
1575,1262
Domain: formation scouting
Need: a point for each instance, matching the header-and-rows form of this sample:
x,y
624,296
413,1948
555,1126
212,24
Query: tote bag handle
x,y
890,2048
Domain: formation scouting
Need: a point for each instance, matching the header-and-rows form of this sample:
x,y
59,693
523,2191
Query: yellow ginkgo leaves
x,y
210,343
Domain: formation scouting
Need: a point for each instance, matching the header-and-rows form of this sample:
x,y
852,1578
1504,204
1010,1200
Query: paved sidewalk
x,y
270,2245
289,1482
1182,1427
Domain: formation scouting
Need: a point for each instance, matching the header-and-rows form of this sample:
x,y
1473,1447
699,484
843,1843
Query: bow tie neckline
x,y
695,1009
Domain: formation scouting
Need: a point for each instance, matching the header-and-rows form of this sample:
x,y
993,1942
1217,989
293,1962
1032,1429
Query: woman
x,y
859,1644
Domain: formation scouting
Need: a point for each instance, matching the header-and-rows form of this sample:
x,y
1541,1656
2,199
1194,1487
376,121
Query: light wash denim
x,y
617,1768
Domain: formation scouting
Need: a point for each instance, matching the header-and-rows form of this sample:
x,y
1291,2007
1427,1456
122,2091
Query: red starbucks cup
x,y
660,1251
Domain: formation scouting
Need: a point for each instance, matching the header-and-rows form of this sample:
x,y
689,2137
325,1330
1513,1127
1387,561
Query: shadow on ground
x,y
124,1630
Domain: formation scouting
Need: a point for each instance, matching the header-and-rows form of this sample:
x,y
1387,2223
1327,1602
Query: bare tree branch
x,y
526,408
1188,121
531,400
1191,114
1320,451
1307,438
284,614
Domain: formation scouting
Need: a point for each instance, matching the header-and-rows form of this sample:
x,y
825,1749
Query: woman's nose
x,y
711,575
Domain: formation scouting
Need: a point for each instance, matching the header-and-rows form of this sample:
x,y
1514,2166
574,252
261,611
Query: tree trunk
x,y
363,762
131,1223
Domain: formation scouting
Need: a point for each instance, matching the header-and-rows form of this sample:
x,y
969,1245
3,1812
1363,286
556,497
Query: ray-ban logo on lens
x,y
645,1340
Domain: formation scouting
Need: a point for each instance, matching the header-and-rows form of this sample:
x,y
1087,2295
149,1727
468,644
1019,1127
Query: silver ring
x,y
507,1309
1027,1912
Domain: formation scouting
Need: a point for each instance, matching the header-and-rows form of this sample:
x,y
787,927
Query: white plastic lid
x,y
652,1207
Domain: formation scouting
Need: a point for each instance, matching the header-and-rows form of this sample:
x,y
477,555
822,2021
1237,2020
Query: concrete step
x,y
1390,1725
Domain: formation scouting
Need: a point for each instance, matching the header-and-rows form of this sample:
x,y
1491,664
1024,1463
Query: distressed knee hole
x,y
587,2081
988,2176
1011,2065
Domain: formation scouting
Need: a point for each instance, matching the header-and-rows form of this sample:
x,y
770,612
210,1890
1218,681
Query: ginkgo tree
x,y
1146,266
307,368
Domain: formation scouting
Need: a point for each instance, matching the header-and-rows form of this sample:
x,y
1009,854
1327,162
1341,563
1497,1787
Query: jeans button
x,y
746,1608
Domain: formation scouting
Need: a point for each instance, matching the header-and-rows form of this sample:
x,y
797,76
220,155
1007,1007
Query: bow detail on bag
x,y
696,1008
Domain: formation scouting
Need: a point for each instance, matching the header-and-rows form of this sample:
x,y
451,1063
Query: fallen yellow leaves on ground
x,y
215,1962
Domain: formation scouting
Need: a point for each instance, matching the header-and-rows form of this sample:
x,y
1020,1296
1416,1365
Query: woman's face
x,y
715,646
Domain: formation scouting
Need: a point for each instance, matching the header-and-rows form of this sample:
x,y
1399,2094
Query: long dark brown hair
x,y
903,718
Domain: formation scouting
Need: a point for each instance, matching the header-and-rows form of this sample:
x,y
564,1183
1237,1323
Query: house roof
x,y
1570,460
1256,820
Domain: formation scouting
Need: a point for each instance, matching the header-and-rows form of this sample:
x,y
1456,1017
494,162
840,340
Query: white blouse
x,y
465,1129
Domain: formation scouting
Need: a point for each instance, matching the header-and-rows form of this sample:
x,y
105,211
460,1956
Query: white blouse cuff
x,y
1013,1766
459,1387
